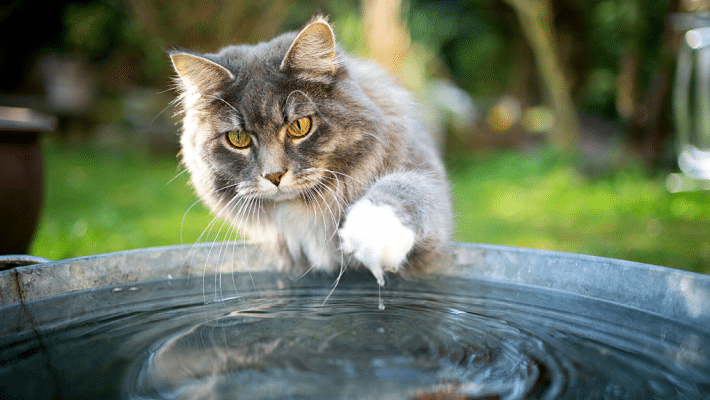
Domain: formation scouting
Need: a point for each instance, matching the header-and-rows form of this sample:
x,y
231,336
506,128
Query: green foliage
x,y
100,201
472,37
91,29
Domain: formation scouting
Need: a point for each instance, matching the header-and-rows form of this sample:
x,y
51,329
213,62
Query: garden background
x,y
555,118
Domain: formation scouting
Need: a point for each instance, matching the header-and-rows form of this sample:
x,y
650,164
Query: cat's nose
x,y
275,178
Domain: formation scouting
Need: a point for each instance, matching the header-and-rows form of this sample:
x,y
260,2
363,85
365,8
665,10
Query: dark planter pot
x,y
21,176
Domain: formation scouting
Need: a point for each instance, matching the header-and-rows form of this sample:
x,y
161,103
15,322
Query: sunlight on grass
x,y
539,200
101,201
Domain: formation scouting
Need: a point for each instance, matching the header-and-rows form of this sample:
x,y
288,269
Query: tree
x,y
535,17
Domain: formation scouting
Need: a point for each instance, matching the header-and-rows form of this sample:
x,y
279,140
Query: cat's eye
x,y
300,127
239,139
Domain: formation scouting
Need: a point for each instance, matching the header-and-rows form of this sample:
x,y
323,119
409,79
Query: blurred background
x,y
571,125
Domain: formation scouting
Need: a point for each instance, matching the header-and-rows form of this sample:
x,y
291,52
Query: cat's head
x,y
280,121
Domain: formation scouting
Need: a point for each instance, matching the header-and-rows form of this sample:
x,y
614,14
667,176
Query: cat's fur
x,y
364,188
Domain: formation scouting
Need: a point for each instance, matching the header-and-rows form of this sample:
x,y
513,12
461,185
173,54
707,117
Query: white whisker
x,y
376,137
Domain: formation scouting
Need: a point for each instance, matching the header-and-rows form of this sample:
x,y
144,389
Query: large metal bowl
x,y
135,323
677,294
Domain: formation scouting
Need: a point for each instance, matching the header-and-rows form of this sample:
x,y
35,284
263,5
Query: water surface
x,y
267,336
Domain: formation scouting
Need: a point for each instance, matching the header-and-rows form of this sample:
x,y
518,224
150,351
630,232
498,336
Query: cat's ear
x,y
312,54
198,74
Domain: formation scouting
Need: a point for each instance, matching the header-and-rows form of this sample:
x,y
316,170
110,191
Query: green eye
x,y
239,139
300,127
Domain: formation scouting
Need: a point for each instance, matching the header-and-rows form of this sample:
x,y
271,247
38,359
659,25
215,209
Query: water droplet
x,y
381,305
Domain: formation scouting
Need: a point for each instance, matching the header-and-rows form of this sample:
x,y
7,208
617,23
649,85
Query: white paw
x,y
376,237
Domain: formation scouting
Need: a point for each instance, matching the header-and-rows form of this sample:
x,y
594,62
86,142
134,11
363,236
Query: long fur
x,y
366,143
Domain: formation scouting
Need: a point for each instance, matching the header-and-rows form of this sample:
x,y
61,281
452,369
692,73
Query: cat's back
x,y
402,114
380,86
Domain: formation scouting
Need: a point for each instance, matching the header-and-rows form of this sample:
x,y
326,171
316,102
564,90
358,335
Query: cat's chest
x,y
307,231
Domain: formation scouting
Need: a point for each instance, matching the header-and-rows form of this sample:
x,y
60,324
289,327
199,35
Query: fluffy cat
x,y
318,157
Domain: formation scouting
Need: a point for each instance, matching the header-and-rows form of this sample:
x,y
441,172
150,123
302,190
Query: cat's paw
x,y
376,237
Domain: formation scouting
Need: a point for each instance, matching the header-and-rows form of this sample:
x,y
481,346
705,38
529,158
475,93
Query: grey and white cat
x,y
318,157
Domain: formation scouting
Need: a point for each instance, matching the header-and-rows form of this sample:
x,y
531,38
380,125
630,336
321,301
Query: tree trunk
x,y
535,18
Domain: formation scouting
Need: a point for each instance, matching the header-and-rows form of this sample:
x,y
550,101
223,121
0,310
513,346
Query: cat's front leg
x,y
376,237
404,219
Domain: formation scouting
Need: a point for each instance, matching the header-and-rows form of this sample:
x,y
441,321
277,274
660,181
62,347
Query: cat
x,y
318,157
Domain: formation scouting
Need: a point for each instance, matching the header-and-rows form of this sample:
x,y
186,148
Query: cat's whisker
x,y
175,177
233,240
204,267
152,121
237,233
336,194
332,176
182,223
323,216
375,136
312,228
311,202
241,214
257,248
214,242
335,173
191,254
343,266
222,255
214,219
335,284
319,192
241,206
336,220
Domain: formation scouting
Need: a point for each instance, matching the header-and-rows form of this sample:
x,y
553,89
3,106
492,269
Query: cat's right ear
x,y
199,75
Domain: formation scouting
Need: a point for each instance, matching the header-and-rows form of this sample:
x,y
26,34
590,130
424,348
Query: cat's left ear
x,y
312,54
198,74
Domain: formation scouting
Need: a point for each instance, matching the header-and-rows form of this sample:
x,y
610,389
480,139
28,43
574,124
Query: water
x,y
266,336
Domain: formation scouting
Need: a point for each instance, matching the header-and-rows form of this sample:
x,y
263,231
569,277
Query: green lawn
x,y
540,201
99,201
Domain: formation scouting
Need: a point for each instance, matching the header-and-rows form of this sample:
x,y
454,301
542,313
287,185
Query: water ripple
x,y
443,339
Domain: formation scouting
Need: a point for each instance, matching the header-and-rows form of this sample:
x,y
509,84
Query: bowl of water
x,y
213,322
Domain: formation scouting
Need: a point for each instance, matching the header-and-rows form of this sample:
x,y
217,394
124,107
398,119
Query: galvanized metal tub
x,y
83,285
672,293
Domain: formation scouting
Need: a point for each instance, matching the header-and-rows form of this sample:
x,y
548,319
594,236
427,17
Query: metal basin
x,y
212,321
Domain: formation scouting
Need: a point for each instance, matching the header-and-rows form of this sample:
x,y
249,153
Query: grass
x,y
541,201
100,201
